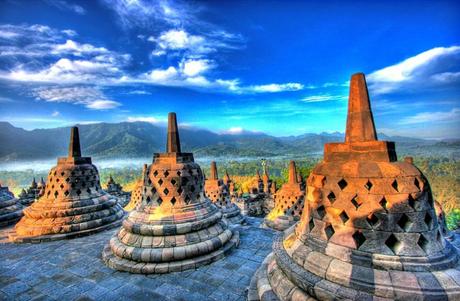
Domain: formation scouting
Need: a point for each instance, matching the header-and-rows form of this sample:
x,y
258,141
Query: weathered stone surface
x,y
116,190
289,203
73,203
368,230
10,208
73,270
173,226
218,192
33,192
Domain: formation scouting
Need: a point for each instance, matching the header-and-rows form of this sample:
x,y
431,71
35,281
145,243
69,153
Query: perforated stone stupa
x,y
10,208
116,189
175,227
368,231
34,191
289,201
73,204
218,193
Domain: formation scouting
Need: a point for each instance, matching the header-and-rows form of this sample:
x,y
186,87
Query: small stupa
x,y
73,204
10,208
289,202
175,227
116,189
218,193
33,192
368,230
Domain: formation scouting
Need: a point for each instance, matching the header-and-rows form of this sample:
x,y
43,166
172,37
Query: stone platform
x,y
73,270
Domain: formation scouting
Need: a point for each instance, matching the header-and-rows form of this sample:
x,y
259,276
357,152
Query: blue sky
x,y
280,67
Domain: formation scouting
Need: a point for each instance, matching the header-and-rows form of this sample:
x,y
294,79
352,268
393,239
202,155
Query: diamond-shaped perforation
x,y
331,197
187,199
78,191
356,202
155,173
321,211
329,230
411,201
159,201
344,217
395,185
160,181
192,188
184,181
311,224
372,219
173,182
368,185
417,183
404,222
428,220
383,202
166,191
393,243
166,173
422,242
66,193
179,190
359,238
173,201
342,184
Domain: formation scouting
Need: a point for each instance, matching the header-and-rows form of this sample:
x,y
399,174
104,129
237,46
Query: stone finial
x,y
360,122
173,142
74,145
292,173
409,160
299,177
226,177
213,173
34,183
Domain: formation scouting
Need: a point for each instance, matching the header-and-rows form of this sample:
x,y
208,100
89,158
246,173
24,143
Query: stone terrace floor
x,y
73,270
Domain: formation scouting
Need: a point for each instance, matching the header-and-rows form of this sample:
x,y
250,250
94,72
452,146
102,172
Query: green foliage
x,y
453,219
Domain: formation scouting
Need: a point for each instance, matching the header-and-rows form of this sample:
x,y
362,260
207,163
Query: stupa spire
x,y
74,145
360,122
213,174
292,173
173,142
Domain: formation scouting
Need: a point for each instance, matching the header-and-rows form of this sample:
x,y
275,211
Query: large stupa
x,y
10,207
73,204
289,203
369,230
218,193
174,227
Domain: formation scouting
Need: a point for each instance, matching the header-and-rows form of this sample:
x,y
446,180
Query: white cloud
x,y
69,32
55,113
272,88
149,119
77,49
427,117
235,130
193,67
90,97
65,5
420,71
162,76
139,92
5,99
323,97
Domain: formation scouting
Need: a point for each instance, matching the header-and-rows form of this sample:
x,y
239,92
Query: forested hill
x,y
141,139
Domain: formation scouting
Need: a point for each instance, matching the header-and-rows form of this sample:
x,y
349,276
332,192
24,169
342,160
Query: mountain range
x,y
141,139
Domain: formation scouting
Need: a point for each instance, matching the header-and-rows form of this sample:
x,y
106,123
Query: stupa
x,y
175,227
289,203
34,191
218,193
368,230
10,208
73,204
116,190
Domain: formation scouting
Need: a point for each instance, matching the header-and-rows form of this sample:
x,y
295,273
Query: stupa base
x,y
233,215
323,278
14,237
136,267
280,223
10,218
